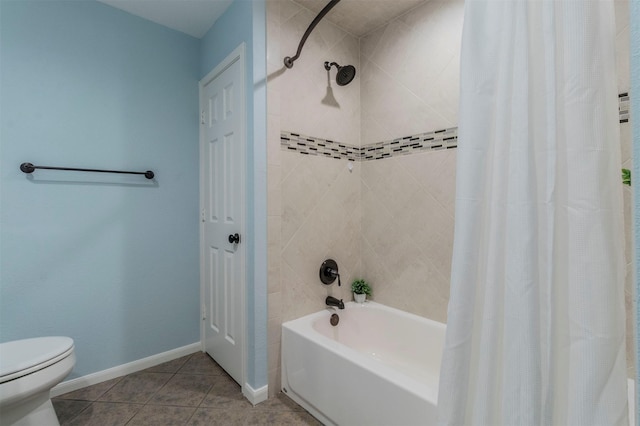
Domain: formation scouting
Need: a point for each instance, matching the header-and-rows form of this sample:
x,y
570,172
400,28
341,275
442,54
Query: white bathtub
x,y
378,366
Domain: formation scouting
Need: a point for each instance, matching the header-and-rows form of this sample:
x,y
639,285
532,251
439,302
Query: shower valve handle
x,y
334,273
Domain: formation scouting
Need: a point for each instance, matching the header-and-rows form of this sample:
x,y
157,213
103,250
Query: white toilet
x,y
28,370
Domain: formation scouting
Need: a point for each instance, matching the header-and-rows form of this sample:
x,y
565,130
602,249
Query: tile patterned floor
x,y
192,390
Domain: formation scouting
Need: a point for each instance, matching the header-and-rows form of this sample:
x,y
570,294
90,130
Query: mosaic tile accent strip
x,y
308,145
623,107
440,139
430,141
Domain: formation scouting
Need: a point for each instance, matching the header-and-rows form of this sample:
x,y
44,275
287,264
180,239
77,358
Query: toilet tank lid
x,y
20,355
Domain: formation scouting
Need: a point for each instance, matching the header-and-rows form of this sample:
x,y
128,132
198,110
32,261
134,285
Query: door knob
x,y
234,238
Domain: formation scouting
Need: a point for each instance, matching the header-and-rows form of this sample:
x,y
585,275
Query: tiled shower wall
x,y
410,73
313,202
410,70
389,221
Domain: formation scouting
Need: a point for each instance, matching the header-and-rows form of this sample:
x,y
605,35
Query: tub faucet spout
x,y
332,301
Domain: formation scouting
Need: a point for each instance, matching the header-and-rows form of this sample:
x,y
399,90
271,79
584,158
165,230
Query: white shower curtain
x,y
536,318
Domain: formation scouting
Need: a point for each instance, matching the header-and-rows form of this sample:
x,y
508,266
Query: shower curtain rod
x,y
288,61
30,168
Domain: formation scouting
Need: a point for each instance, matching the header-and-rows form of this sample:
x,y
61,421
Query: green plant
x,y
360,286
626,177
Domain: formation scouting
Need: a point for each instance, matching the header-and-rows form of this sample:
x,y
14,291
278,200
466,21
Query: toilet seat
x,y
22,357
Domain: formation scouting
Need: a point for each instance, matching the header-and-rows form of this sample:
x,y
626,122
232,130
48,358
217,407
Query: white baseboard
x,y
255,396
124,369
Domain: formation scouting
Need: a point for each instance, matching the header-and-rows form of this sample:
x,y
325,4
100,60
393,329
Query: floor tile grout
x,y
228,407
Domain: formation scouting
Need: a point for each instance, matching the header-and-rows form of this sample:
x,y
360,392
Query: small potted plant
x,y
361,289
626,177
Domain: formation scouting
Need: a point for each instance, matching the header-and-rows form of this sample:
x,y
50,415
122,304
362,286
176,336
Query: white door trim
x,y
238,54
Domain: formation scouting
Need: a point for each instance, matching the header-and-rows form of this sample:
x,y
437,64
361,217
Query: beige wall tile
x,y
273,361
625,142
274,191
411,72
274,255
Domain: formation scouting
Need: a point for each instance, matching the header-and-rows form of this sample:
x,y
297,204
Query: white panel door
x,y
222,210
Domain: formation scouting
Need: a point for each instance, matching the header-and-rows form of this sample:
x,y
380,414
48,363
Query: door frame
x,y
237,55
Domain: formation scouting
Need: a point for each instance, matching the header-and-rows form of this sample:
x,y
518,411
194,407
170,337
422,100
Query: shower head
x,y
345,73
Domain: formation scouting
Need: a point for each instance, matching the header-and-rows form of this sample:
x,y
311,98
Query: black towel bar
x,y
30,168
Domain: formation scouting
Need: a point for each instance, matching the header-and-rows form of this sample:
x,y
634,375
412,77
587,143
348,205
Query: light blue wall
x,y
111,261
231,29
245,22
634,19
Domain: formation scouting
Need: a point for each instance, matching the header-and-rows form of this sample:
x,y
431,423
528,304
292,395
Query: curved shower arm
x,y
288,61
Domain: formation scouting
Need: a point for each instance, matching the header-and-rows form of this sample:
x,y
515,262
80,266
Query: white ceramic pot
x,y
359,298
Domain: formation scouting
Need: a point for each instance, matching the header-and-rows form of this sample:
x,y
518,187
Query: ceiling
x,y
193,17
360,17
